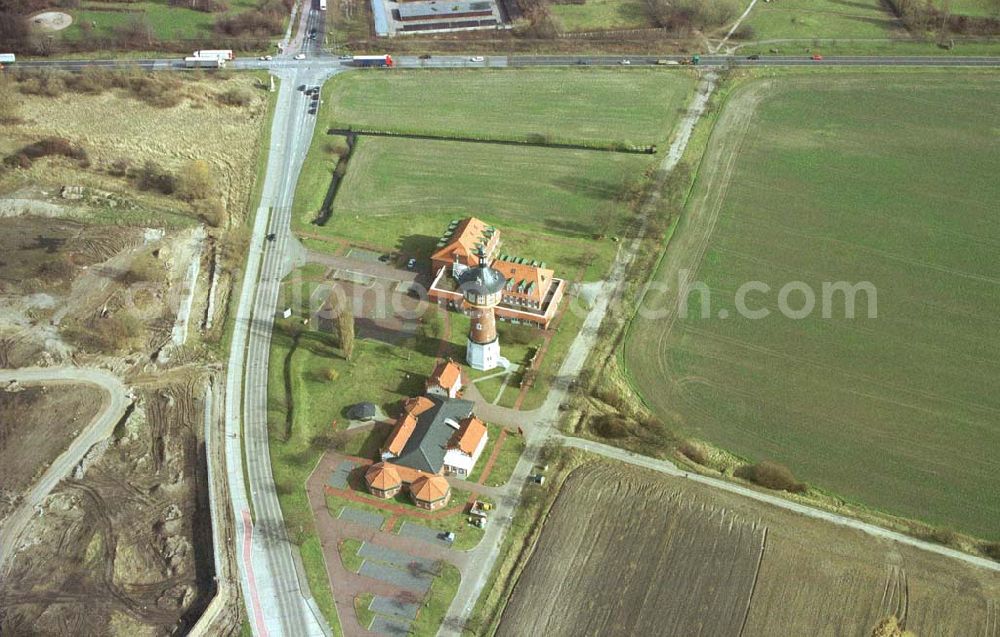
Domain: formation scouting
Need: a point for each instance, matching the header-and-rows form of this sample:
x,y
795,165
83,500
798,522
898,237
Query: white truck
x,y
222,54
7,58
195,62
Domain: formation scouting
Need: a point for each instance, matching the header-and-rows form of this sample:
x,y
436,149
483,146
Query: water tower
x,y
482,288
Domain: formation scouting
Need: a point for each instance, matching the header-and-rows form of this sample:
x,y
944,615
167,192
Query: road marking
x,y
258,614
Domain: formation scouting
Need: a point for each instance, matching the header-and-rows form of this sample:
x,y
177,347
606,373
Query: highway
x,y
316,60
113,408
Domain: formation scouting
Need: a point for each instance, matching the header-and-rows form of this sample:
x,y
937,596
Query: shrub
x,y
211,211
195,181
338,148
992,550
236,97
152,176
58,146
120,167
143,268
610,426
693,452
771,475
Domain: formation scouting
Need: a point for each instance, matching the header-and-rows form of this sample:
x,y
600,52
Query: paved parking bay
x,y
338,479
394,558
418,581
392,606
386,626
422,533
360,516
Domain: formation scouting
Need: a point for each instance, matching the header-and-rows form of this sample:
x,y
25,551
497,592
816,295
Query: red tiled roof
x,y
446,374
468,436
524,280
464,241
406,423
429,488
382,476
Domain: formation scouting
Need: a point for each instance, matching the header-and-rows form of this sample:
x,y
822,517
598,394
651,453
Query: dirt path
x,y
669,468
687,250
113,409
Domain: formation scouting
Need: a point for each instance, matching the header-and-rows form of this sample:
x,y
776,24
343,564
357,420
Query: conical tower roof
x,y
481,280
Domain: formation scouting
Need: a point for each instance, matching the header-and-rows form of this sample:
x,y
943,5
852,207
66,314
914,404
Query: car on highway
x,y
425,56
753,57
271,236
625,62
477,58
266,58
300,56
817,57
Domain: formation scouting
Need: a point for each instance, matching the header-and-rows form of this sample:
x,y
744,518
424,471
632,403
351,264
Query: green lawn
x,y
402,194
976,8
167,22
378,372
510,452
887,178
349,554
439,597
596,15
640,106
362,606
814,19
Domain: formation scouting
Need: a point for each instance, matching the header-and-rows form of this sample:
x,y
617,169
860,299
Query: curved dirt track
x,y
114,405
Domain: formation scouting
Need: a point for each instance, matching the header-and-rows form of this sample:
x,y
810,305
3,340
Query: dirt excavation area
x,y
123,547
124,202
30,438
625,551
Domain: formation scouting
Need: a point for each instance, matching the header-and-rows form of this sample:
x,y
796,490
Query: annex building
x,y
532,292
436,435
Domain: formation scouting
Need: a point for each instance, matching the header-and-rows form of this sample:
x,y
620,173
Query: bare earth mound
x,y
625,551
52,21
36,425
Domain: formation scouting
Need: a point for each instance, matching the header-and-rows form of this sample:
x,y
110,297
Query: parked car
x,y
384,258
477,58
447,536
817,57
411,264
539,479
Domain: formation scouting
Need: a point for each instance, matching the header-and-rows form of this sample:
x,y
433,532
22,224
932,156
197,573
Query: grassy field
x,y
119,126
435,606
167,22
403,193
812,19
650,554
596,15
576,104
825,180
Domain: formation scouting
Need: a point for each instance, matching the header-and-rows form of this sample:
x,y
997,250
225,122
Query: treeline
x,y
921,16
246,30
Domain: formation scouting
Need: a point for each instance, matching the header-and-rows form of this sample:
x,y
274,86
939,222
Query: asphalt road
x,y
278,600
114,405
317,60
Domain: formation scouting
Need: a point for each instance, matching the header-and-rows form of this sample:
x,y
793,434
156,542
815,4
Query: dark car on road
x,y
753,57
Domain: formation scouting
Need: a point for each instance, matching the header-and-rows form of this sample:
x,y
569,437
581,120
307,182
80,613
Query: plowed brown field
x,y
627,552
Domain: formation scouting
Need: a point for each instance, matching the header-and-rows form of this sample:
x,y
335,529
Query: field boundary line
x,y
753,585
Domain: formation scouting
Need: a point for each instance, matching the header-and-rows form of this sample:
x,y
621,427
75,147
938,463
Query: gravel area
x,y
422,533
391,606
386,626
360,516
401,577
338,479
